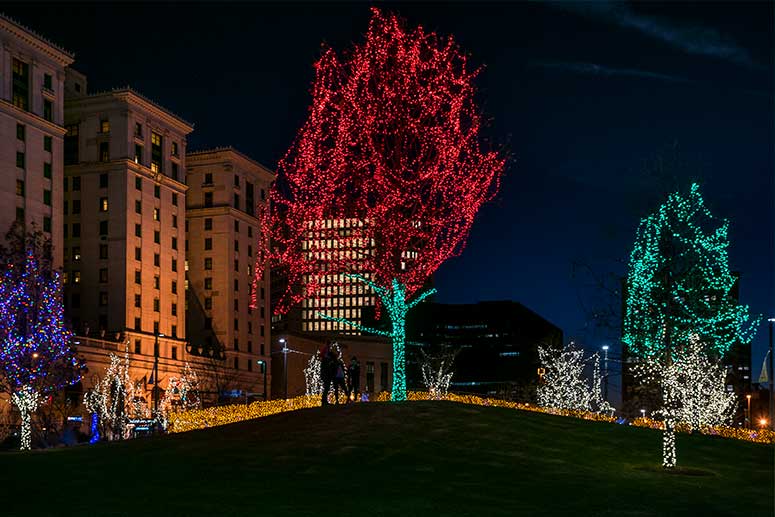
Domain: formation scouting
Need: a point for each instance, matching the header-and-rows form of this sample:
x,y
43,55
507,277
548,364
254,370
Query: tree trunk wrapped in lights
x,y
679,300
384,179
36,358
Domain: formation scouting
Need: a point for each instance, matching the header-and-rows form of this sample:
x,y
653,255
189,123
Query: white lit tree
x,y
181,393
564,385
693,388
437,372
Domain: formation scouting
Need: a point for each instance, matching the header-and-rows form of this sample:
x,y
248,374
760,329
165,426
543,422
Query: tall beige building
x,y
32,73
225,187
124,215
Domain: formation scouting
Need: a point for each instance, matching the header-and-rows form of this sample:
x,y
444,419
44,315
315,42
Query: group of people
x,y
334,371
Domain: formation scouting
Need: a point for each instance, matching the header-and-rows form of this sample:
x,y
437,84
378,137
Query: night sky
x,y
582,96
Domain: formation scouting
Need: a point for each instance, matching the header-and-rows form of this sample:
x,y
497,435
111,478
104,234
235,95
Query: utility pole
x,y
772,400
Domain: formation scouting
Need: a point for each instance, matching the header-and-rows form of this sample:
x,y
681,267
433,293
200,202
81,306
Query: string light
x,y
679,283
182,394
437,373
36,357
564,385
384,179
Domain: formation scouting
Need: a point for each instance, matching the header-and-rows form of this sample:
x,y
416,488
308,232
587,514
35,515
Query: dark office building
x,y
497,344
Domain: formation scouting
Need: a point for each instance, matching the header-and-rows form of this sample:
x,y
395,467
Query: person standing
x,y
339,379
354,374
325,355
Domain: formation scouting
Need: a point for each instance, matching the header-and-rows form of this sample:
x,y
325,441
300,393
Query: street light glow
x,y
763,422
771,320
605,347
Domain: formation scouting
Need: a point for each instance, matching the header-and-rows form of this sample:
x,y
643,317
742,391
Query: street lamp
x,y
748,415
605,372
643,413
262,365
772,400
285,351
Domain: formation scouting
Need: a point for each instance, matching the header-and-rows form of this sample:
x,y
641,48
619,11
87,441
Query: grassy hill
x,y
418,458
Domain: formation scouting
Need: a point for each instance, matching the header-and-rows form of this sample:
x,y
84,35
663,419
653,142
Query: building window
x,y
76,230
76,183
250,327
174,221
138,279
138,207
76,206
47,197
174,243
208,243
157,191
76,277
236,285
104,126
48,110
208,264
156,305
174,264
103,275
208,303
174,309
20,132
104,152
139,183
174,334
104,180
156,214
156,260
21,84
47,170
208,198
250,365
103,298
138,230
20,188
138,324
250,346
262,349
47,224
138,254
156,156
20,159
236,265
236,245
208,283
138,346
174,149
47,82
236,180
174,287
236,324
174,348
103,227
236,226
236,363
236,305
103,251
138,130
76,253
174,171
208,178
103,204
174,199
250,250
156,282
71,144
208,223
236,345
48,143
138,154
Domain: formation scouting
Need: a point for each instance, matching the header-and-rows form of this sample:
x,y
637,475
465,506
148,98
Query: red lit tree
x,y
384,179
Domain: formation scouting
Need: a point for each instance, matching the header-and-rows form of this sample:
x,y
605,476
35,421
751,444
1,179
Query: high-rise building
x,y
124,214
32,72
225,189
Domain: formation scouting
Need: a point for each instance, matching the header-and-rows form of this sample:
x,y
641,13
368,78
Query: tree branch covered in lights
x,y
384,179
564,385
35,357
694,392
679,283
437,371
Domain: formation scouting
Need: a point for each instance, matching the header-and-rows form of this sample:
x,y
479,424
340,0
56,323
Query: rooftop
x,y
32,34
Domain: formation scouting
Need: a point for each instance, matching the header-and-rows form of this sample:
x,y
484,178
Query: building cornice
x,y
32,38
131,96
31,118
221,154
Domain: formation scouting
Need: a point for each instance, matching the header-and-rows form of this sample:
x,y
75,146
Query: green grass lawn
x,y
416,458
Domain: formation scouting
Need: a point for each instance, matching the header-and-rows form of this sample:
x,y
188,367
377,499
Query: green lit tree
x,y
679,289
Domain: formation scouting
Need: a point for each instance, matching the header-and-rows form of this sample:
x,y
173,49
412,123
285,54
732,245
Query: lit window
x,y
104,126
103,204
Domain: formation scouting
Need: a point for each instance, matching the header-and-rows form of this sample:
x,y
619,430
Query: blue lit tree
x,y
36,357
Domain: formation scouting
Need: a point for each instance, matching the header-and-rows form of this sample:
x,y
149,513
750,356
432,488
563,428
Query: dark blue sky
x,y
582,94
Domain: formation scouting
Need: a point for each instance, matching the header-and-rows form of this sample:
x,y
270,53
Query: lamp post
x,y
262,365
156,373
285,351
748,414
772,400
643,413
605,372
